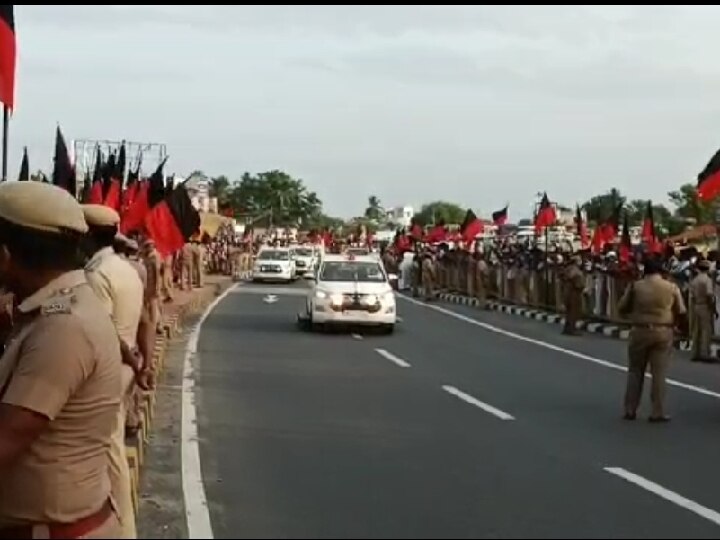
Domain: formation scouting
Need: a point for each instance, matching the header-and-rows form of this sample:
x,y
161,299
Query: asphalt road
x,y
464,424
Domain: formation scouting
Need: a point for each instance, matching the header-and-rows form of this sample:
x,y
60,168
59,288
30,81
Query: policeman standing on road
x,y
59,375
702,292
653,305
573,286
121,292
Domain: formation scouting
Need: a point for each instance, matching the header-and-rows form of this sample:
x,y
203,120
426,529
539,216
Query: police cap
x,y
98,215
41,206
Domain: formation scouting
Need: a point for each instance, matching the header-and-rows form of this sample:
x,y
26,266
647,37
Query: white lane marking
x,y
550,346
394,359
399,318
197,514
671,496
356,336
270,299
467,398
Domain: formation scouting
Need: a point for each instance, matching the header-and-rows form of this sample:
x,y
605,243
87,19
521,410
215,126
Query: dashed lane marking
x,y
394,359
467,398
551,347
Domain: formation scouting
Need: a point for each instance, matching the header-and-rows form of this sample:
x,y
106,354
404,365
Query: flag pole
x,y
6,126
547,268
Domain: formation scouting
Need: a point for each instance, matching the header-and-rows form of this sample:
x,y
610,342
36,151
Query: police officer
x,y
60,381
427,273
702,292
198,261
573,287
186,267
153,270
653,305
120,290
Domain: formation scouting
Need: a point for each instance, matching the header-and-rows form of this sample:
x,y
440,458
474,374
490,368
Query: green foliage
x,y
601,207
374,211
441,210
689,207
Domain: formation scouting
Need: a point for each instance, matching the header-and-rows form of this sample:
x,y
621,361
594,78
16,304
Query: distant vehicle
x,y
351,290
306,259
274,264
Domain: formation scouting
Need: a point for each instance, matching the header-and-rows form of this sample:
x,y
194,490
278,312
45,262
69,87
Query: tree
x,y
637,211
275,198
441,210
600,207
689,207
374,211
220,188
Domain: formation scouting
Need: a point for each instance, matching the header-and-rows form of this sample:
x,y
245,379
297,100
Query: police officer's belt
x,y
77,529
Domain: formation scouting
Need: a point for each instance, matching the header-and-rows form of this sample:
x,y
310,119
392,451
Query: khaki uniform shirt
x,y
153,269
62,361
702,290
652,300
120,290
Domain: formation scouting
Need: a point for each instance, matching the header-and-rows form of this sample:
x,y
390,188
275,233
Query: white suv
x,y
274,264
351,290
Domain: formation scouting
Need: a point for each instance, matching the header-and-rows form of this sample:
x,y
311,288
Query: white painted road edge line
x,y
550,346
671,496
197,514
394,359
467,398
356,336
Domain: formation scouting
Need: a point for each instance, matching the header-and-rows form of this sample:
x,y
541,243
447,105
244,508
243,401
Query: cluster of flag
x,y
152,205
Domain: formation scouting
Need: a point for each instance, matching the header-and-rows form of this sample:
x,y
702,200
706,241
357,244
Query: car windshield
x,y
363,272
273,255
303,252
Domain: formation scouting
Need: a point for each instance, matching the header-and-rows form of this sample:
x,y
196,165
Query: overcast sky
x,y
477,105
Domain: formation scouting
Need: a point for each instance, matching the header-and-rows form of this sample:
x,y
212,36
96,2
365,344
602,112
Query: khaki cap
x,y
99,215
41,206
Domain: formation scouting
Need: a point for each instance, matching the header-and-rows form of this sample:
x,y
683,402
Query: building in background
x,y
400,216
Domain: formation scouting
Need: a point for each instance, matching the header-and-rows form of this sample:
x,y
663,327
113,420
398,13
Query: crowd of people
x,y
82,306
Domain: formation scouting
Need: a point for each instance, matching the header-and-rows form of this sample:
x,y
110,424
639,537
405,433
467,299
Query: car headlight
x,y
371,299
321,294
336,299
389,298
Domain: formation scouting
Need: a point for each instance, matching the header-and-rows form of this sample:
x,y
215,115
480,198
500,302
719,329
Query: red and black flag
x,y
8,55
24,175
546,216
63,174
582,231
95,189
500,217
149,194
437,234
649,237
471,226
416,230
115,180
131,189
172,222
625,242
708,185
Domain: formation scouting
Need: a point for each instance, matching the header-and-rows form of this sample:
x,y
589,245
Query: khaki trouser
x,y
118,466
648,347
186,272
197,265
702,330
480,290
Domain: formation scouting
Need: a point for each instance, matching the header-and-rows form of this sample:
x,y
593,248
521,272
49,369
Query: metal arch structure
x,y
85,150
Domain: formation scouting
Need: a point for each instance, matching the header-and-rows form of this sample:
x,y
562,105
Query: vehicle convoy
x,y
306,258
350,290
274,264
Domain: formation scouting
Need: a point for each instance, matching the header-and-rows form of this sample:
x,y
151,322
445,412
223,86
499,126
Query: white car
x,y
274,264
305,260
351,290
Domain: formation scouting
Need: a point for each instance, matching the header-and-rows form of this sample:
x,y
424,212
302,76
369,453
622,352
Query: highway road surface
x,y
464,424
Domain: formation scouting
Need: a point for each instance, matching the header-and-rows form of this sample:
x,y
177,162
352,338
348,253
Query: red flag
x,y
173,222
471,227
437,234
649,237
625,242
582,231
114,194
500,217
546,216
150,193
708,186
8,54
